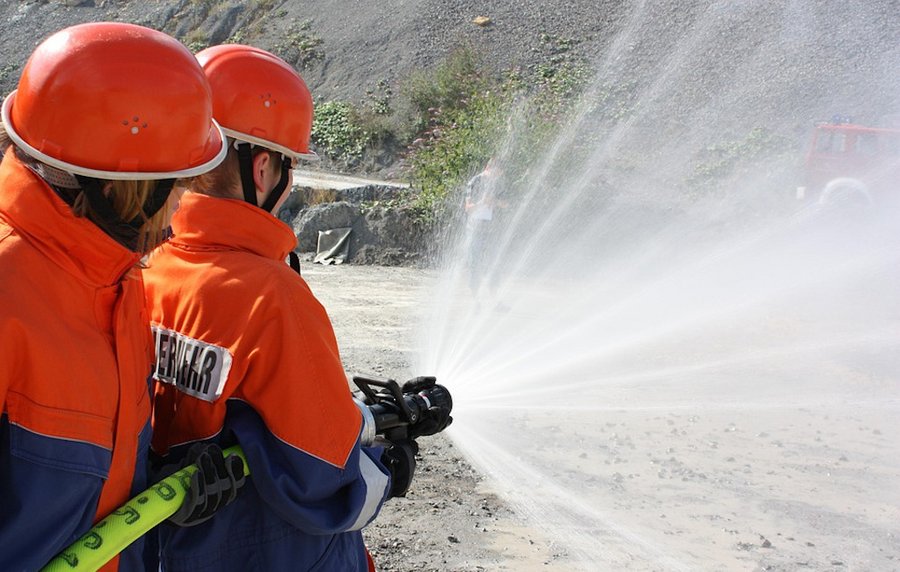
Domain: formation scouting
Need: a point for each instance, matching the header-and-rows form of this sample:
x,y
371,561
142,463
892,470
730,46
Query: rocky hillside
x,y
810,60
343,47
837,56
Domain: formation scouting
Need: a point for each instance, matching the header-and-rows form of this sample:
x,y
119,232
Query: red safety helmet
x,y
259,98
115,101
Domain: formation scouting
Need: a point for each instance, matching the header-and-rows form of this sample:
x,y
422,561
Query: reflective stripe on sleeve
x,y
376,484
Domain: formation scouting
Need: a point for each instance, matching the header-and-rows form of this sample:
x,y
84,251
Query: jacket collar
x,y
76,244
216,223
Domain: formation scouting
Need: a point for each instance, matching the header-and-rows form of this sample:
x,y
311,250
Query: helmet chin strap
x,y
281,186
110,221
245,162
157,200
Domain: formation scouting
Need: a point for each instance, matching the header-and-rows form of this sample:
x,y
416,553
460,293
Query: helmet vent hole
x,y
135,129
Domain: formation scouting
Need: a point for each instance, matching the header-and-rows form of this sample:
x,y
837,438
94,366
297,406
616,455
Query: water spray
x,y
697,360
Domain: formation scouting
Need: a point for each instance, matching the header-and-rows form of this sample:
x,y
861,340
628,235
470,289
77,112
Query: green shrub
x,y
464,115
454,151
445,89
299,45
450,120
7,70
337,132
196,40
379,99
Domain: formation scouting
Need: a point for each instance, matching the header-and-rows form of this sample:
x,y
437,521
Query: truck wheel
x,y
845,192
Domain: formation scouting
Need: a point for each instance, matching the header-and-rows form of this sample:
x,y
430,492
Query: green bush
x,y
446,89
337,133
299,45
450,121
464,115
457,116
196,40
454,151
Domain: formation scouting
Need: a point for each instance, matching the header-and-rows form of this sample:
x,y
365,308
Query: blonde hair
x,y
127,199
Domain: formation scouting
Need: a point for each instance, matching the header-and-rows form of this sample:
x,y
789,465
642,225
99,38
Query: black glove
x,y
435,413
211,487
400,460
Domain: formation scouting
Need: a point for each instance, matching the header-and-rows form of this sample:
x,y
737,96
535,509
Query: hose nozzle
x,y
420,407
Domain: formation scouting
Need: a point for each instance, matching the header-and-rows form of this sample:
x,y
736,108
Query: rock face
x,y
387,236
325,216
380,235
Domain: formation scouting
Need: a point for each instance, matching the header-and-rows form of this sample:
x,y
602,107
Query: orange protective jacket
x,y
247,355
75,356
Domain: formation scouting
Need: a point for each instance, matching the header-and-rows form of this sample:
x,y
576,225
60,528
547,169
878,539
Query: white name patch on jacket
x,y
194,367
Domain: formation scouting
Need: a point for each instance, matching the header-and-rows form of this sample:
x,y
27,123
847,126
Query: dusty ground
x,y
675,485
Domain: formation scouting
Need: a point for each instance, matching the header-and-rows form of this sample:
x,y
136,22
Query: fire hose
x,y
390,412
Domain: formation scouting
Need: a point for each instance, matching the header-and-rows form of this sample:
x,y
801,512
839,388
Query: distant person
x,y
482,201
248,356
105,117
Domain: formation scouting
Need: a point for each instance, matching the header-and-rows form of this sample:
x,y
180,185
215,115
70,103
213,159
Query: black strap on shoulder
x,y
245,162
294,261
67,195
93,190
158,199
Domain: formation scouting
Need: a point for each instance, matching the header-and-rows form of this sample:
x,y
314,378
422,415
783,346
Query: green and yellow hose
x,y
128,523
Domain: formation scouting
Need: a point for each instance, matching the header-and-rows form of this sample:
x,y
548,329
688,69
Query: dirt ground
x,y
669,487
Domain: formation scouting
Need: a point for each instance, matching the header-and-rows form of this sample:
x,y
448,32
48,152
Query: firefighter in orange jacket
x,y
247,355
105,116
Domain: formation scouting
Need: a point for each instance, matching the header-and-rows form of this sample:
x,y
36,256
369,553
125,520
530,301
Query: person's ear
x,y
262,168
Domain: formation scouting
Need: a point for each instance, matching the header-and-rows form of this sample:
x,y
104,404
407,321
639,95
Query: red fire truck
x,y
852,164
